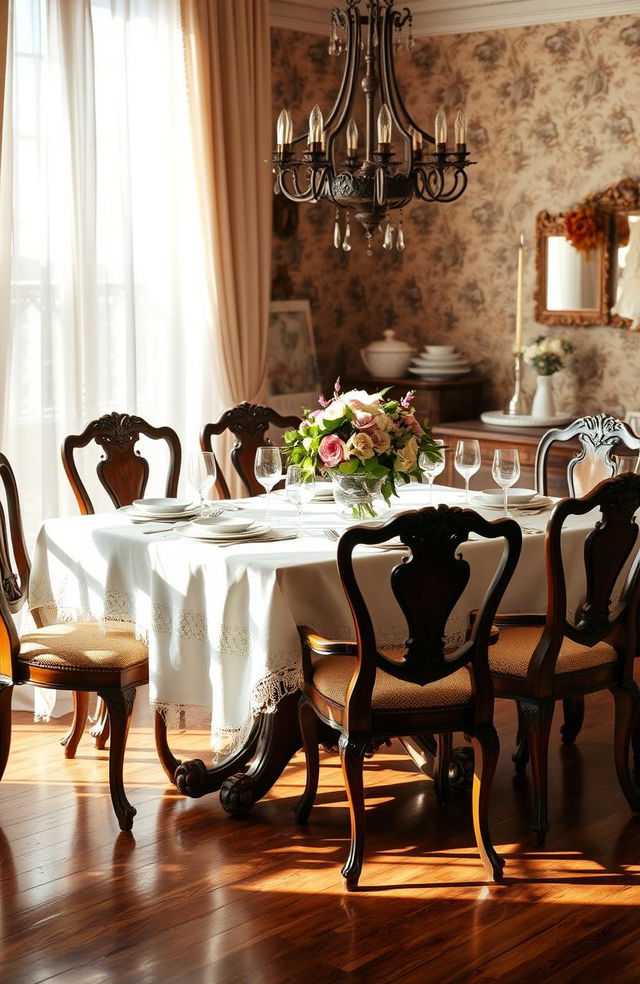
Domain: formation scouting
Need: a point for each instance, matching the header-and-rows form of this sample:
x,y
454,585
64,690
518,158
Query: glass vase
x,y
358,496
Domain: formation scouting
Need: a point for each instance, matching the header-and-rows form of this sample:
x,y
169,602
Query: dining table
x,y
221,619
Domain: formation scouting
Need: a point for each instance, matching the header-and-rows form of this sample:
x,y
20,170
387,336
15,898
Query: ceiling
x,y
432,17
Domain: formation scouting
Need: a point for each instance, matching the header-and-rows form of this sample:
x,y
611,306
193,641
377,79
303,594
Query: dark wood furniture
x,y
78,656
368,696
599,437
525,439
539,660
123,473
249,423
435,400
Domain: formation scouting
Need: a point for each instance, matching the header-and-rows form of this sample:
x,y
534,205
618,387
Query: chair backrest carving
x,y
427,585
608,551
249,423
122,470
599,435
15,566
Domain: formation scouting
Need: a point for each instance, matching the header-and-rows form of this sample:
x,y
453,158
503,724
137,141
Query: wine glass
x,y
299,489
467,462
432,468
268,470
201,473
505,471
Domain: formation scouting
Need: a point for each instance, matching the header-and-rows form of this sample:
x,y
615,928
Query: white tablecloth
x,y
221,622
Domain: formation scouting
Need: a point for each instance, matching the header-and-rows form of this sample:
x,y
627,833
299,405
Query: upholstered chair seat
x,y
511,655
70,646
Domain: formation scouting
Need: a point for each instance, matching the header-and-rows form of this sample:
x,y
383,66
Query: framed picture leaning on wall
x,y
293,380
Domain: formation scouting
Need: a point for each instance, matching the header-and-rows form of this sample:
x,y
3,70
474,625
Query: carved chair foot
x,y
461,767
238,795
191,778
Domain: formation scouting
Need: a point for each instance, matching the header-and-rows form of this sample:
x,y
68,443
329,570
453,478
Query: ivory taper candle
x,y
520,296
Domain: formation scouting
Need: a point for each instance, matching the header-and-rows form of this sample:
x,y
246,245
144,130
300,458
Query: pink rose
x,y
332,451
411,422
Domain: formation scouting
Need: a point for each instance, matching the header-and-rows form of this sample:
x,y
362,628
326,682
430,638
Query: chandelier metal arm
x,y
341,110
399,112
294,194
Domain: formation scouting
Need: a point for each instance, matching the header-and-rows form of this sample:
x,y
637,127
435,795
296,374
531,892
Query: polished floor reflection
x,y
192,896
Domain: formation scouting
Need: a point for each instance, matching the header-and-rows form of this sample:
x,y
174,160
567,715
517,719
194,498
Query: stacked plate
x,y
160,509
439,362
524,500
219,529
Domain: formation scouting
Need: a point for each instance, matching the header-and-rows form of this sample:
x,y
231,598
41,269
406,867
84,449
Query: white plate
x,y
215,525
161,506
439,349
502,419
439,373
440,360
516,496
134,512
538,502
195,532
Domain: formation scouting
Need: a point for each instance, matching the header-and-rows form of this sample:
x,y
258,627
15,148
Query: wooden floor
x,y
193,896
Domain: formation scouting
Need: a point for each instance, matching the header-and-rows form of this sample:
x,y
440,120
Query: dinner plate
x,y
538,502
161,506
196,532
440,360
516,496
221,524
134,512
439,373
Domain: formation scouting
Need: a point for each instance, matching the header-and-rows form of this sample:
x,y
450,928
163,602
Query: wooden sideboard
x,y
525,439
435,400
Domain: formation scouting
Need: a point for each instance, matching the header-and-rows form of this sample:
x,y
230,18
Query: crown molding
x,y
432,17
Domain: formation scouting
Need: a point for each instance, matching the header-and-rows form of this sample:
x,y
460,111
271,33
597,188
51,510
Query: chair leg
x,y
635,745
520,757
352,751
6,693
80,711
308,723
486,748
100,728
573,718
441,767
119,705
537,716
168,761
627,705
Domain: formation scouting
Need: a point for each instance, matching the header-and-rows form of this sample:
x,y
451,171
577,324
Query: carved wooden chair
x,y
540,659
123,473
78,656
249,423
368,695
600,436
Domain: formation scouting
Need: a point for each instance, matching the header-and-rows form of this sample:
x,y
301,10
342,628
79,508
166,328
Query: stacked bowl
x,y
439,362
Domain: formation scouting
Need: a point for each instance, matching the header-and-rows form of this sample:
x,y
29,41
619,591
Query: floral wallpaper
x,y
554,115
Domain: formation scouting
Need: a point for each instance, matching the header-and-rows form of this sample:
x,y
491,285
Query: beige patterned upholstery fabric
x,y
333,673
83,646
510,656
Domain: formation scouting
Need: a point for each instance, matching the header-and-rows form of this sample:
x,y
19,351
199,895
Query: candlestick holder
x,y
517,403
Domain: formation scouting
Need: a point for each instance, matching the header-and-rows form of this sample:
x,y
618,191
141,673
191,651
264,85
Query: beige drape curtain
x,y
4,48
228,65
5,211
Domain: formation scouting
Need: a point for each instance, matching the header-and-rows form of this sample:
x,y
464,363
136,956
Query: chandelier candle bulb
x,y
384,126
416,141
316,126
460,128
441,129
519,296
352,139
284,131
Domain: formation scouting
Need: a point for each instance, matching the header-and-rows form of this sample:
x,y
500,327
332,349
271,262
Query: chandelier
x,y
371,183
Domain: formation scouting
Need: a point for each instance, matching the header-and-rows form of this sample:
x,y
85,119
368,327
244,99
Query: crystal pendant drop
x,y
369,244
337,238
276,184
400,236
388,237
346,245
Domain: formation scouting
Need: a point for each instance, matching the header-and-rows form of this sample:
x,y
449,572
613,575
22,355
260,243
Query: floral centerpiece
x,y
365,439
546,354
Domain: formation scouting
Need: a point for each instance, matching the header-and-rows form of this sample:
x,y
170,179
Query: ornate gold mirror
x,y
588,261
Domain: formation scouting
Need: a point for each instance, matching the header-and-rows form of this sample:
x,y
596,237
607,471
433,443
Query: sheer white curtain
x,y
103,280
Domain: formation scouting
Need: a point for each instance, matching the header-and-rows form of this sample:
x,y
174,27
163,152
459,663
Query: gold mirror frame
x,y
620,198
